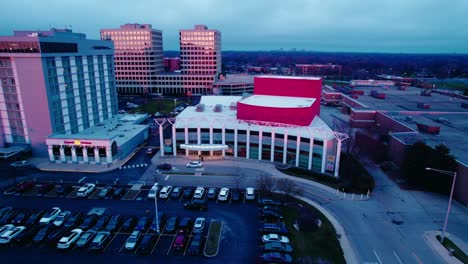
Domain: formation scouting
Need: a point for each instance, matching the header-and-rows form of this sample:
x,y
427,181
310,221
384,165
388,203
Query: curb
x,y
435,245
348,252
219,241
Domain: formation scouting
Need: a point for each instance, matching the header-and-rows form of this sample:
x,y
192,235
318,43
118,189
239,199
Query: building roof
x,y
235,79
289,77
278,101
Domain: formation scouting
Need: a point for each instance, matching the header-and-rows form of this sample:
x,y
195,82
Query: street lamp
x,y
156,206
175,105
450,173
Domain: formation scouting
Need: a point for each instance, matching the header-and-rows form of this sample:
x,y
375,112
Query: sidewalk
x,y
434,244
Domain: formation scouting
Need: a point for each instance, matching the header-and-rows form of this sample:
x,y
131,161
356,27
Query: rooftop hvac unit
x,y
218,108
233,106
200,108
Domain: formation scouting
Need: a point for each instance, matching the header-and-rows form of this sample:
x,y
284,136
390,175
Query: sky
x,y
397,26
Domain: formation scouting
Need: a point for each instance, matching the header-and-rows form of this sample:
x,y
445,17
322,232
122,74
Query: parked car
x,y
271,216
5,209
20,218
21,163
272,208
199,225
61,218
8,216
164,166
24,186
46,187
142,224
176,192
186,223
277,246
276,257
195,164
42,234
196,204
199,193
268,201
161,221
188,193
74,220
6,228
34,217
249,194
129,223
118,193
67,241
195,247
114,223
101,222
99,241
105,192
153,192
146,244
85,238
132,240
276,228
10,233
149,151
26,236
172,224
274,238
180,240
50,216
211,193
88,222
165,192
223,194
55,235
236,197
85,190
64,189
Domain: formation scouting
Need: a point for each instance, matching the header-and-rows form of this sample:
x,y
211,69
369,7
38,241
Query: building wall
x,y
288,87
389,124
461,185
301,116
396,150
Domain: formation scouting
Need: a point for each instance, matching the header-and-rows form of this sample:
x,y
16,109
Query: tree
x,y
265,184
288,187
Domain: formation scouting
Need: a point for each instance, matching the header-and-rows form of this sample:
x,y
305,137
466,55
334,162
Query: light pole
x,y
156,206
175,105
450,173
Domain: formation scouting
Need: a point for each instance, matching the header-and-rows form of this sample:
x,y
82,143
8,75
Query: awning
x,y
204,147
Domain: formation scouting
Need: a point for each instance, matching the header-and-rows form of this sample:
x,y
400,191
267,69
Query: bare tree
x,y
288,187
265,183
345,128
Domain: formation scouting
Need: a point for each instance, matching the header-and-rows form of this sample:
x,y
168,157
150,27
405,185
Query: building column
x,y
73,151
85,155
337,159
285,145
161,140
211,138
108,155
260,143
199,138
247,143
272,153
298,149
186,140
311,152
324,155
235,142
51,153
223,139
174,141
62,154
97,159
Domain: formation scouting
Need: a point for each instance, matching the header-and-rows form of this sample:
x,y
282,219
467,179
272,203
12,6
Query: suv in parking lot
x,y
165,192
99,241
195,245
211,193
146,244
172,224
180,240
132,240
85,190
199,192
197,204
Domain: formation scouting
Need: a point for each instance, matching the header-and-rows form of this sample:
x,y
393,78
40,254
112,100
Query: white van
x,y
249,193
165,192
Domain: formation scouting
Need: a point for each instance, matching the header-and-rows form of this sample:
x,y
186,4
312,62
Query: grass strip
x,y
213,239
457,252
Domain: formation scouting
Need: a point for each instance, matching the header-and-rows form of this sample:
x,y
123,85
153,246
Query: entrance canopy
x,y
204,147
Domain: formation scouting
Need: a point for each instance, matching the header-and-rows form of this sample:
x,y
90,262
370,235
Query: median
x,y
213,239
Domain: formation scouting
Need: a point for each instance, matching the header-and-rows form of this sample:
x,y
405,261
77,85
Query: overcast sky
x,y
414,26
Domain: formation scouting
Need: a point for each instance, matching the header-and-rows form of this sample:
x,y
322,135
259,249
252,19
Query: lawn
x,y
212,240
457,252
164,106
322,244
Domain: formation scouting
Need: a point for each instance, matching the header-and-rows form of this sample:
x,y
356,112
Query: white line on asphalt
x,y
396,256
82,179
375,253
167,177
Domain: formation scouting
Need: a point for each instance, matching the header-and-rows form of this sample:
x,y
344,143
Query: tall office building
x,y
138,56
53,82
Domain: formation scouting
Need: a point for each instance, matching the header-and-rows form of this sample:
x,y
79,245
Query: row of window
x,y
197,33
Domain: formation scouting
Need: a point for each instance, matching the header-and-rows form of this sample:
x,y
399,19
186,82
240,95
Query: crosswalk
x,y
133,166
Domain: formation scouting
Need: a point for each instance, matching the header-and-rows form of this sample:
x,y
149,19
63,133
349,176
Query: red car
x,y
180,240
24,186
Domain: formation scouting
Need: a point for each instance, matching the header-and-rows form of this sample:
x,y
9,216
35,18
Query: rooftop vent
x,y
200,108
233,106
218,108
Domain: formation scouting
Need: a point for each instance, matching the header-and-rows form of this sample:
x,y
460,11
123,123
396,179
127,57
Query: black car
x,y
114,223
186,223
276,257
211,193
8,216
129,223
188,193
142,224
273,208
101,222
196,204
164,166
275,228
74,220
271,216
88,222
146,244
172,224
235,196
161,221
25,236
42,234
20,218
106,191
55,235
268,201
118,193
195,247
64,189
5,210
35,217
99,241
176,192
46,187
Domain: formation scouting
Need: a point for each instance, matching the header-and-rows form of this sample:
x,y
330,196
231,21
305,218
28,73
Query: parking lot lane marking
x,y
161,231
377,256
82,179
396,256
123,245
170,246
417,258
167,177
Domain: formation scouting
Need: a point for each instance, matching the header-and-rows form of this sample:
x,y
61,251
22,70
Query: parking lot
x,y
239,238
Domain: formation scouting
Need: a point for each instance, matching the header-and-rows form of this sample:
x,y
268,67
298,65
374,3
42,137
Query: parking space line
x,y
159,237
112,239
188,242
170,246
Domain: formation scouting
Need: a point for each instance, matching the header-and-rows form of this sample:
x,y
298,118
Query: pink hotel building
x,y
139,60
